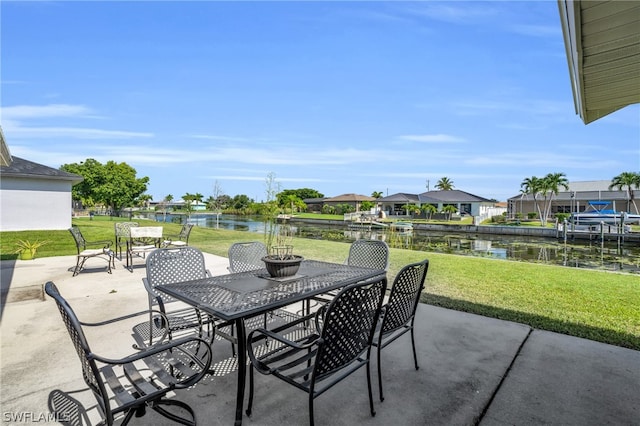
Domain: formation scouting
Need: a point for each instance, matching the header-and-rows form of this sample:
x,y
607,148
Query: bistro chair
x,y
340,344
142,240
122,236
399,313
246,256
127,386
177,265
369,254
84,253
180,239
372,254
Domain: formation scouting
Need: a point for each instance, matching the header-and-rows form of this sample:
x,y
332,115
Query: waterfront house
x,y
574,199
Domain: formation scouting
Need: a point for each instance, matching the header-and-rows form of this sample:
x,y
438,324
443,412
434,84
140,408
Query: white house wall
x,y
34,204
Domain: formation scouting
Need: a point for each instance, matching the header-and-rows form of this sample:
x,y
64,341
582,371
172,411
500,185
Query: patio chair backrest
x,y
405,296
122,229
172,265
185,231
246,256
348,325
90,371
369,254
81,243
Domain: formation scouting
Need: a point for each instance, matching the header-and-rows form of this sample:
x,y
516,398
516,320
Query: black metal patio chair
x,y
340,345
246,256
372,254
127,386
176,265
85,252
369,254
399,312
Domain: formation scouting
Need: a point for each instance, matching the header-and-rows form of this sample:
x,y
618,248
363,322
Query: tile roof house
x,y
354,200
463,201
33,196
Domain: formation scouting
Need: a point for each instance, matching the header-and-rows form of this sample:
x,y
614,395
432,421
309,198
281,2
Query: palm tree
x,y
444,184
449,209
429,210
533,186
627,180
376,194
550,186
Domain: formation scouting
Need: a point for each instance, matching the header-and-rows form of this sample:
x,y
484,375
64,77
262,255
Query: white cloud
x,y
39,111
16,118
435,138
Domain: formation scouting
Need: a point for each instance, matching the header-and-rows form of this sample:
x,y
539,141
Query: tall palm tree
x,y
444,184
628,180
533,185
550,186
429,210
376,194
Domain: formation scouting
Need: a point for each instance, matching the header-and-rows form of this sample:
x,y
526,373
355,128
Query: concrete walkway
x,y
473,369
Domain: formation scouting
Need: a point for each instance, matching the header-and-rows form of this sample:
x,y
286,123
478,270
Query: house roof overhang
x,y
602,43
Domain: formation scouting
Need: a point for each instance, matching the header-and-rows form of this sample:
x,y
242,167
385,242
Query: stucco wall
x,y
34,204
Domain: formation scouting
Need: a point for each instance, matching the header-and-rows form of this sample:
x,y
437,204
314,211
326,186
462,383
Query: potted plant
x,y
27,249
280,260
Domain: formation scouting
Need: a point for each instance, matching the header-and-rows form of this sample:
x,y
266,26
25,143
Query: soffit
x,y
602,41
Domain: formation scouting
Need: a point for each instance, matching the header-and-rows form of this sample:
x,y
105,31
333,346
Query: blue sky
x,y
342,97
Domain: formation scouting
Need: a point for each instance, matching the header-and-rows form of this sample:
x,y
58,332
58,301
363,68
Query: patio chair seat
x,y
85,253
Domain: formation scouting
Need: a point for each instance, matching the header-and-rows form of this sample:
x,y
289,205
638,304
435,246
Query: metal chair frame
x,y
180,239
122,235
399,312
369,254
124,386
176,265
339,345
246,256
85,253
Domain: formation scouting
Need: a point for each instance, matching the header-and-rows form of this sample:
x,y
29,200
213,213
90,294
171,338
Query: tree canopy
x,y
302,193
114,185
627,181
445,184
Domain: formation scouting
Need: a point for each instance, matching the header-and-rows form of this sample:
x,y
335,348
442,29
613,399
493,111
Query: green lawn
x,y
597,305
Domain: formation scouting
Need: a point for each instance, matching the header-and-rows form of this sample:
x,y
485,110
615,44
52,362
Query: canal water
x,y
579,254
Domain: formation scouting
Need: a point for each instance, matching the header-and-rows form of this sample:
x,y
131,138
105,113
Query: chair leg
x,y
379,347
373,412
76,270
175,417
413,343
311,422
250,403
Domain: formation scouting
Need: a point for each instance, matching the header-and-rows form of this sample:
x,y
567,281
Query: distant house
x,y
575,199
464,202
33,196
354,200
314,205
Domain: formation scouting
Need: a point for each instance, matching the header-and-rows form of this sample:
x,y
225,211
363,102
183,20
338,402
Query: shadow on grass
x,y
603,335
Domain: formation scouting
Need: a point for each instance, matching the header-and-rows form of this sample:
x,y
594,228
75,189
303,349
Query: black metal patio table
x,y
236,297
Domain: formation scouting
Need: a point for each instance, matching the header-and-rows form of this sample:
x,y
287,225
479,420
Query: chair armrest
x,y
122,318
263,333
201,359
103,243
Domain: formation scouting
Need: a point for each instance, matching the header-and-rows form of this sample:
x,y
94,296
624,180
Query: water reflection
x,y
580,254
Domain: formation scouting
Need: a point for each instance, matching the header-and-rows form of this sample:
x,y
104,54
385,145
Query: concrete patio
x,y
473,369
